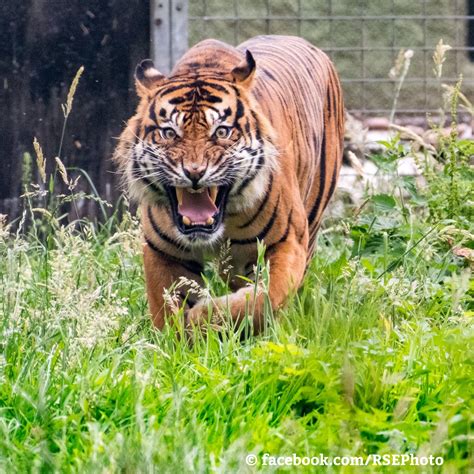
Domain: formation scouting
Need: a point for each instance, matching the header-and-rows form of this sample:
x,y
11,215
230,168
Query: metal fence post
x,y
169,32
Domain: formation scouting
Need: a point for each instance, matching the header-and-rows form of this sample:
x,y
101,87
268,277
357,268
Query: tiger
x,y
239,145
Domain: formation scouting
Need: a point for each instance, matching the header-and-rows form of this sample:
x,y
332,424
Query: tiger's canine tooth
x,y
179,195
186,220
210,221
213,193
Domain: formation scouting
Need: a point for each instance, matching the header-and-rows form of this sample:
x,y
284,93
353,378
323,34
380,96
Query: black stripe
x,y
193,85
269,74
212,65
332,186
152,185
329,100
203,76
137,173
162,163
149,129
239,112
227,111
157,230
262,204
258,134
177,100
212,85
170,168
171,89
249,179
217,162
264,231
162,157
190,265
334,95
152,111
135,167
247,127
213,99
271,247
322,180
300,236
166,160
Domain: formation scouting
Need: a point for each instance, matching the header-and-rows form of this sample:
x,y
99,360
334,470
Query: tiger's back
x,y
301,95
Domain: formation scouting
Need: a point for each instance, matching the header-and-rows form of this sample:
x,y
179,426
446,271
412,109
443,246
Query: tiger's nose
x,y
194,173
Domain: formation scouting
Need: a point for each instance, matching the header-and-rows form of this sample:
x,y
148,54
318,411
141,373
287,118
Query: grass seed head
x,y
62,170
40,160
439,56
67,107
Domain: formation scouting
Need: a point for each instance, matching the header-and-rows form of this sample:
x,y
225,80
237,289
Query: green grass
x,y
373,355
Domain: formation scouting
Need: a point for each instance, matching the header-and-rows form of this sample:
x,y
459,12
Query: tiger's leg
x,y
160,274
287,267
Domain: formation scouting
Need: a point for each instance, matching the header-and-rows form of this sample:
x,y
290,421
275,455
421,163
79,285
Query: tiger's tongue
x,y
197,206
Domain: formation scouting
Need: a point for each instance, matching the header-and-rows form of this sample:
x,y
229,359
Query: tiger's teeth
x,y
179,195
186,220
210,221
213,193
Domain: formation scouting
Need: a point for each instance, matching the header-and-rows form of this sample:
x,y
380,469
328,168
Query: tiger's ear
x,y
245,71
147,77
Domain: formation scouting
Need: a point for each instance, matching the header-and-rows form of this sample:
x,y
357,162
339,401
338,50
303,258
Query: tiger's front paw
x,y
197,315
204,315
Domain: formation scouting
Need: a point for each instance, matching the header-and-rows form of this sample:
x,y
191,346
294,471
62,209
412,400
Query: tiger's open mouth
x,y
198,210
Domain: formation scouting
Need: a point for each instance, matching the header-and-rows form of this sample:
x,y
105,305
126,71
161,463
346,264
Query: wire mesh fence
x,y
362,37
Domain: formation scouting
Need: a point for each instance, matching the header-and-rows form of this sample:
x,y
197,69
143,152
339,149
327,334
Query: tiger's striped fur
x,y
278,164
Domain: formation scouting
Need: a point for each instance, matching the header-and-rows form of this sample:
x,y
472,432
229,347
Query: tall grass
x,y
372,356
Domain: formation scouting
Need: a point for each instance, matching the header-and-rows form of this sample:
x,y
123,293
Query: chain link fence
x,y
362,37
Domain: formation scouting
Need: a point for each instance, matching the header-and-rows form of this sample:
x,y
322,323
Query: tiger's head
x,y
198,143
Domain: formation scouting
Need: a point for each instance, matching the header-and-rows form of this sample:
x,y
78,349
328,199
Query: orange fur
x,y
279,163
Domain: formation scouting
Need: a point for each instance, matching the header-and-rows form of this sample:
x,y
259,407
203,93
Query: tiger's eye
x,y
222,132
168,134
